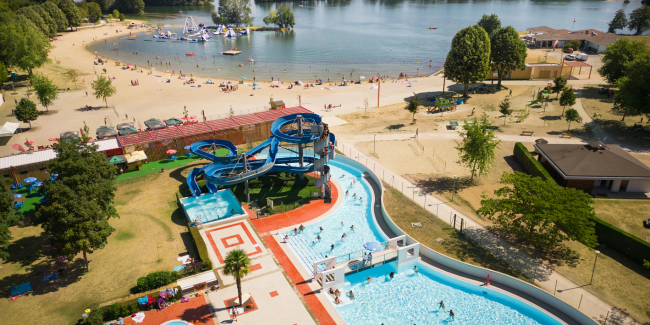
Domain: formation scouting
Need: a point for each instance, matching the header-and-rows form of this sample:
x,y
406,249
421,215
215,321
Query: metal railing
x,y
359,254
358,266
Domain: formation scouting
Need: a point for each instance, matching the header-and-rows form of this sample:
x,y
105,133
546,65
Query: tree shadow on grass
x,y
72,272
444,184
394,127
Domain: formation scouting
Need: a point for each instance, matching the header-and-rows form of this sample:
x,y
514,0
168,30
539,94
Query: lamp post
x,y
374,143
454,189
594,270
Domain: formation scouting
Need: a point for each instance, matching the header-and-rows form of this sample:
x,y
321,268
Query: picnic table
x,y
453,124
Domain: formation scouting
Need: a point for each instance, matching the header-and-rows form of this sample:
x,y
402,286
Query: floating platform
x,y
231,52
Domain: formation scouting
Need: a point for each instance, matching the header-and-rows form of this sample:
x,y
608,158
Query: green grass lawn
x,y
627,215
281,188
156,166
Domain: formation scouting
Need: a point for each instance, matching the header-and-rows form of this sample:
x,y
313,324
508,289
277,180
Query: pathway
x,y
568,291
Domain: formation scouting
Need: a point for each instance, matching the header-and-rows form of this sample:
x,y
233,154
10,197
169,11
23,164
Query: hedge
x,y
201,248
531,165
156,280
123,309
625,243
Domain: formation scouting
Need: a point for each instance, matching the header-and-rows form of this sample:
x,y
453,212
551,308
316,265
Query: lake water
x,y
370,37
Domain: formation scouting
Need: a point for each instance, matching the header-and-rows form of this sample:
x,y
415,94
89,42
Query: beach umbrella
x,y
74,134
374,77
372,246
116,160
29,142
193,116
104,128
152,121
156,126
30,179
53,139
187,147
91,140
243,78
171,152
173,121
320,80
362,77
123,125
107,134
17,196
254,84
128,130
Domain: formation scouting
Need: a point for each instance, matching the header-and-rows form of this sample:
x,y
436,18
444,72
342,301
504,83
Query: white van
x,y
582,57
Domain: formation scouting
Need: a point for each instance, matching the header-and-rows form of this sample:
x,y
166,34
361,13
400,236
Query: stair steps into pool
x,y
301,247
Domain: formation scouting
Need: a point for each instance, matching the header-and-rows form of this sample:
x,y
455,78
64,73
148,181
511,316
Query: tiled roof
x,y
192,129
271,115
166,133
135,138
222,124
247,119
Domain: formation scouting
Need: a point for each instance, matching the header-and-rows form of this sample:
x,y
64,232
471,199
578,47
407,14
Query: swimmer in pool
x,y
321,228
361,198
355,195
369,279
351,294
347,192
415,268
391,274
352,227
332,247
441,305
318,237
451,314
331,291
337,300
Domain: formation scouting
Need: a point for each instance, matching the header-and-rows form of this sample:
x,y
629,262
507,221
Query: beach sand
x,y
155,99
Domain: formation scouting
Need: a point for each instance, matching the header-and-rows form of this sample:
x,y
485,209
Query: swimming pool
x,y
211,207
411,298
352,211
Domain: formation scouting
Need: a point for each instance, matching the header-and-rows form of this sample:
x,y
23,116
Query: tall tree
x,y
617,57
103,89
104,5
73,75
271,18
216,19
94,11
237,264
571,116
639,20
31,46
130,6
49,21
477,146
504,108
541,212
236,11
78,206
57,14
469,58
116,14
619,21
507,51
8,216
4,74
71,12
46,91
568,98
559,84
26,111
285,17
412,106
633,95
490,23
32,16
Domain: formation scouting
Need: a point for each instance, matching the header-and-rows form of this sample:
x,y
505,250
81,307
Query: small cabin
x,y
277,104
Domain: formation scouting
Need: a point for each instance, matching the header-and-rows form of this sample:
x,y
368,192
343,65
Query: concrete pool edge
x,y
471,273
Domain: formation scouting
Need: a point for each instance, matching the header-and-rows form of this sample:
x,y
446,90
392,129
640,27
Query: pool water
x,y
412,298
212,207
352,211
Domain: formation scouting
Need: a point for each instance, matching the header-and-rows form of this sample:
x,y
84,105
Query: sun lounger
x,y
178,268
21,288
50,277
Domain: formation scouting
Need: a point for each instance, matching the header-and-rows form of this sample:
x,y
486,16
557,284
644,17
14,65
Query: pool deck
x,y
195,311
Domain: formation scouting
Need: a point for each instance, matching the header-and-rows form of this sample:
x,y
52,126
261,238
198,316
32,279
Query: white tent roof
x,y
9,128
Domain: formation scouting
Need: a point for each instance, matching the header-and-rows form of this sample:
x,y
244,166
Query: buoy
x,y
487,283
432,27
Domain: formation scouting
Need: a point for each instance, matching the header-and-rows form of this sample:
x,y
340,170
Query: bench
x,y
453,125
528,132
567,134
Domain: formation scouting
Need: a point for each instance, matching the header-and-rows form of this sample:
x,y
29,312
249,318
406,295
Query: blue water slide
x,y
191,181
292,136
223,174
211,187
197,146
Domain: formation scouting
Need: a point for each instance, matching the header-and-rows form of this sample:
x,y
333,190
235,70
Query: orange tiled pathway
x,y
304,213
194,311
316,306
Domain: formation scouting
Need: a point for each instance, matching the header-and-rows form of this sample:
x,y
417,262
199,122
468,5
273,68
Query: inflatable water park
x,y
292,133
194,32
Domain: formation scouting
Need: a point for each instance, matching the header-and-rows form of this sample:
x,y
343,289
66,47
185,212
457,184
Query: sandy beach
x,y
154,98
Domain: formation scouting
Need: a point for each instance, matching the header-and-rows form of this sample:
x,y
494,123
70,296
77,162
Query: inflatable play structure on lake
x,y
294,133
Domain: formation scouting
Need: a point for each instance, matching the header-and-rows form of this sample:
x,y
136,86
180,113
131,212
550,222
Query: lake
x,y
335,38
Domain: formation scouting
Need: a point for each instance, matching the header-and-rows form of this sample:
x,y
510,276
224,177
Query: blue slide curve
x,y
227,169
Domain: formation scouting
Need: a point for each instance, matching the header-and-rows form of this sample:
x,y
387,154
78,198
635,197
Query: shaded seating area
x,y
127,130
125,125
74,134
103,129
107,134
173,121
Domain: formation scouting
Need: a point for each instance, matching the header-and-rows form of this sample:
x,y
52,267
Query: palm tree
x,y
238,265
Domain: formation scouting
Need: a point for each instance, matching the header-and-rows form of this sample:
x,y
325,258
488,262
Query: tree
x,y
26,111
571,115
568,98
46,91
271,18
618,56
71,12
94,11
575,45
236,11
477,146
122,17
619,21
490,23
78,205
49,21
110,16
412,106
29,46
103,89
73,75
83,10
104,5
639,20
633,95
32,16
469,58
559,84
8,216
116,13
504,108
285,17
4,74
237,264
130,6
218,20
508,52
56,14
541,212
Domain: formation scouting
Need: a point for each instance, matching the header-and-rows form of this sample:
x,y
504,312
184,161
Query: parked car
x,y
568,50
570,57
582,57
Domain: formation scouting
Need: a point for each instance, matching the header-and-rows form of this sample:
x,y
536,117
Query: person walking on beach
x,y
416,133
104,121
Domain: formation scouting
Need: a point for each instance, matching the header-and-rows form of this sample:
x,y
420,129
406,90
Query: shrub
x,y
201,248
104,314
622,242
575,45
531,165
156,280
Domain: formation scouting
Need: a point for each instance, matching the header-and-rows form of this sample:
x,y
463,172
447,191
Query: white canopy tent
x,y
8,129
